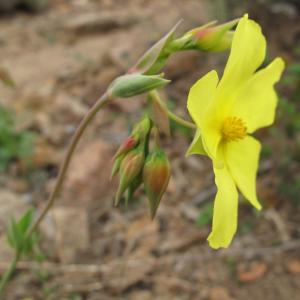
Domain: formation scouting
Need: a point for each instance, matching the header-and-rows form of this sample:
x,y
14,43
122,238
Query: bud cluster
x,y
137,165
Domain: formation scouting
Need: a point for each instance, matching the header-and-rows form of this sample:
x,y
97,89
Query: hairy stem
x,y
65,164
7,275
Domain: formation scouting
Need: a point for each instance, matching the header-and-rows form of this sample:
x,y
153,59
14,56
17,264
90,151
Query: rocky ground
x,y
61,60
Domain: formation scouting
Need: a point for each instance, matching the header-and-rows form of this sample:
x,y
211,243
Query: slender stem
x,y
65,164
5,278
181,121
155,95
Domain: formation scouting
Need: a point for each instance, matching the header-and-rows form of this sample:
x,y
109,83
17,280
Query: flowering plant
x,y
225,113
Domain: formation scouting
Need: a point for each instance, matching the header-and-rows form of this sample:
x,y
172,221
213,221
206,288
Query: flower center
x,y
233,129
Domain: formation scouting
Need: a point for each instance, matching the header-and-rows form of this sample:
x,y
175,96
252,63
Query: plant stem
x,y
155,95
181,121
5,278
65,164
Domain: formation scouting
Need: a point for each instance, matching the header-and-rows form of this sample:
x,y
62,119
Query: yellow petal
x,y
242,159
247,54
196,146
211,135
201,95
225,210
200,106
256,102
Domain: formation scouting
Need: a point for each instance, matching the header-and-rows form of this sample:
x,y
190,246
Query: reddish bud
x,y
212,38
128,144
156,176
130,167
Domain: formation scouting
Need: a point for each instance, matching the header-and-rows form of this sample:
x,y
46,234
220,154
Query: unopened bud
x,y
134,185
156,176
116,165
128,144
212,38
142,128
134,84
130,167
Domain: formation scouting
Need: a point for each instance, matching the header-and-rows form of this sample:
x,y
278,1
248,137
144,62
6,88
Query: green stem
x,y
181,121
155,95
65,164
7,275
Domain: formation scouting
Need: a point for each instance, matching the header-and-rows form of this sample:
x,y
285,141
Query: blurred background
x,y
56,58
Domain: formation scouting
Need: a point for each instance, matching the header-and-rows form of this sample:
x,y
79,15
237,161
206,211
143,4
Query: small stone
x,y
293,266
219,293
88,178
72,232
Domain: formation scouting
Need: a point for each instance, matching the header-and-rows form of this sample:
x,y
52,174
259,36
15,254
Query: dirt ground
x,y
62,59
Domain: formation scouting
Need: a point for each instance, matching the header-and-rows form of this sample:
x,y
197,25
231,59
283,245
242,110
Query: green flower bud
x,y
142,129
210,38
116,165
134,185
156,176
130,167
134,84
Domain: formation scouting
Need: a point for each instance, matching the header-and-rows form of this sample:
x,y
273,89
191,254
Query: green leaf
x,y
17,233
14,237
26,220
10,234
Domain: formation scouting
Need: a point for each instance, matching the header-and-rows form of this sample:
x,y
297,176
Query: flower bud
x,y
211,38
130,167
116,166
134,84
128,144
142,129
134,185
156,176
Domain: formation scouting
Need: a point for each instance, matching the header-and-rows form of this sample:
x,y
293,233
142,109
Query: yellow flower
x,y
225,113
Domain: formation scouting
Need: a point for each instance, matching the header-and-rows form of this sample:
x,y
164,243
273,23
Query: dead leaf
x,y
251,273
293,266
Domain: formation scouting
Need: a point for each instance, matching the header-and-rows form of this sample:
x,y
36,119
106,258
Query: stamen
x,y
233,129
